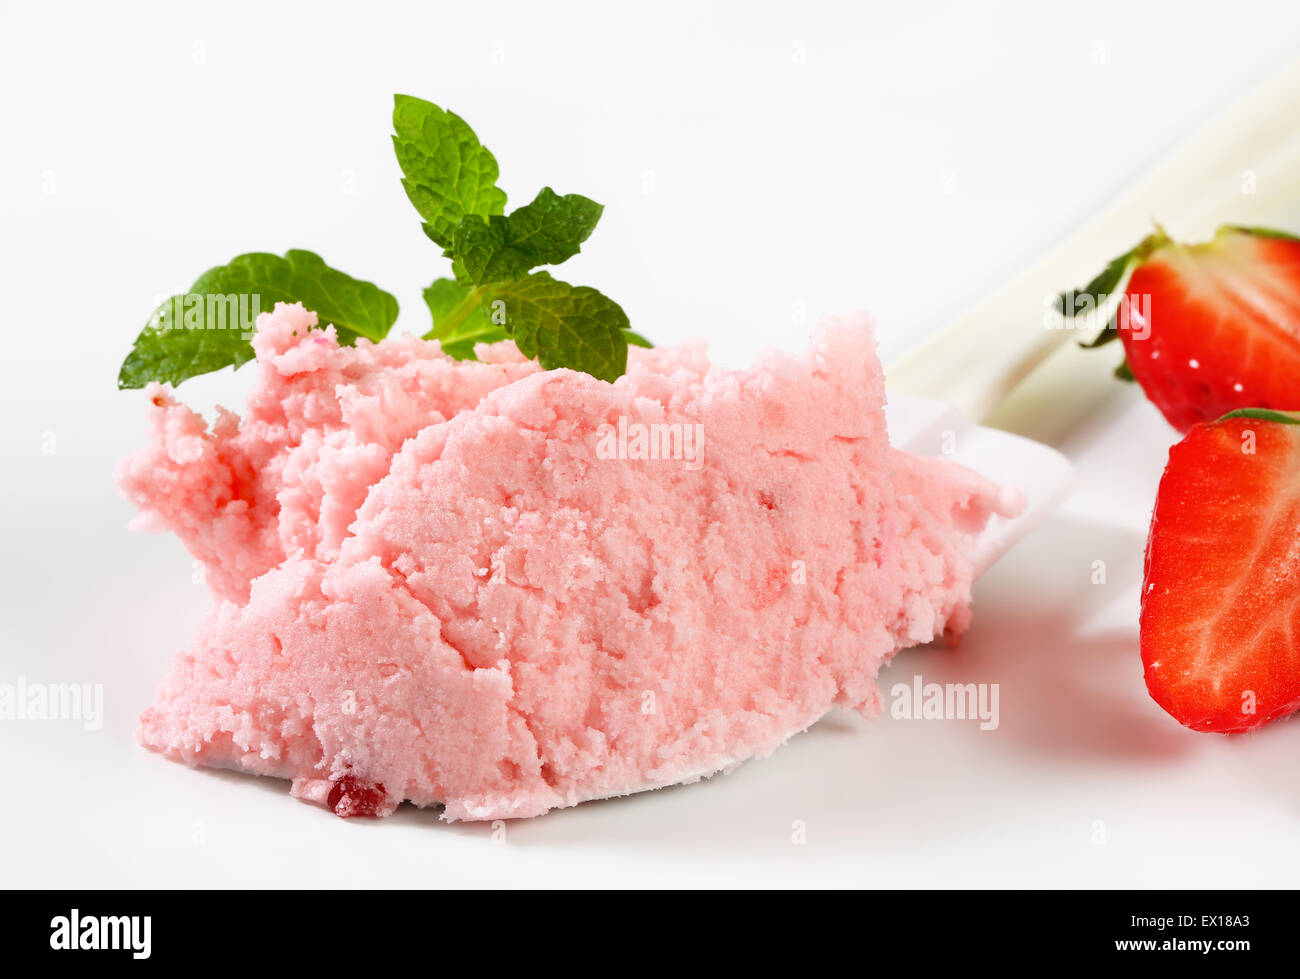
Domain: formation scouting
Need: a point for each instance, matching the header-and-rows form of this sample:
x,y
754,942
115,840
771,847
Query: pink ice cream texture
x,y
436,583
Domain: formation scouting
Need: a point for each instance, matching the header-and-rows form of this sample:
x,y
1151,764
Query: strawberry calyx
x,y
1108,285
1207,327
1257,231
1265,415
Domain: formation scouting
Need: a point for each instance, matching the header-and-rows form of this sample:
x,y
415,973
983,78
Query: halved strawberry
x,y
1220,628
1207,328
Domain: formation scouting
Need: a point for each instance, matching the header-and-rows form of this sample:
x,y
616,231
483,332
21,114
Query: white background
x,y
754,159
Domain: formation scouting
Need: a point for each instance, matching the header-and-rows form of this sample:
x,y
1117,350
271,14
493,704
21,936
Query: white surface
x,y
760,165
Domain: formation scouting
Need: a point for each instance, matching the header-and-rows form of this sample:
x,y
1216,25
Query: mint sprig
x,y
209,327
494,293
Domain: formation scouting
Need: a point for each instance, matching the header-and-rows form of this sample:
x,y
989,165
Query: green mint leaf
x,y
563,325
503,248
209,327
636,339
462,347
442,296
458,324
448,173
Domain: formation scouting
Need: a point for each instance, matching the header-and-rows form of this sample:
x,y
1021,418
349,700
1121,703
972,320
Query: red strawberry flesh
x,y
1215,327
1220,627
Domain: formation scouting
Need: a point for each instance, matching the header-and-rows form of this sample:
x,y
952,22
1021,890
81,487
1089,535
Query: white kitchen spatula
x,y
1045,477
1242,168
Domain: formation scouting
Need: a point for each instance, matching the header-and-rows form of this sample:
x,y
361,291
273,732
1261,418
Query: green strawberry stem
x,y
1266,415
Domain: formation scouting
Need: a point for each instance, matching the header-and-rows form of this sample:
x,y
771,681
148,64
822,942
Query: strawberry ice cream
x,y
463,583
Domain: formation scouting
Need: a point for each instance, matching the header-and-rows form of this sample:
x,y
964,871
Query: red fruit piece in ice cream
x,y
350,796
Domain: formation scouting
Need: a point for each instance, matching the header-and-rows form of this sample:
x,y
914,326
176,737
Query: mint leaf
x,y
500,248
209,327
457,323
442,296
563,325
635,339
462,347
448,173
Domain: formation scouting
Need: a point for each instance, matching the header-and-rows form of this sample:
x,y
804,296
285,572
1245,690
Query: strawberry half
x,y
1206,328
1220,629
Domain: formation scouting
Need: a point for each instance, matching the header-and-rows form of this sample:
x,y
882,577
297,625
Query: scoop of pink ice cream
x,y
506,590
321,426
